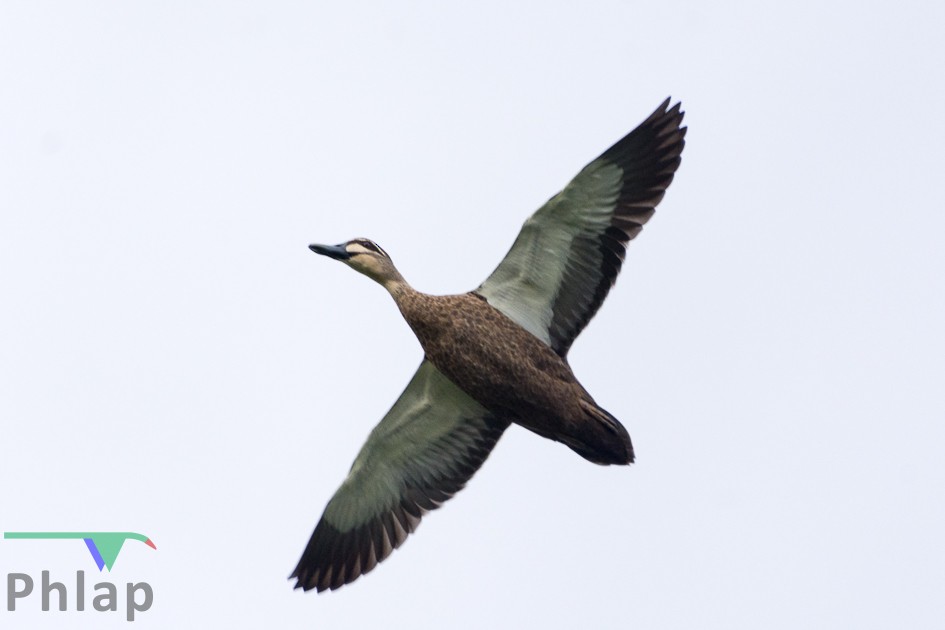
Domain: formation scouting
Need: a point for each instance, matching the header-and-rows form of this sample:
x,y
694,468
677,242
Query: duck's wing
x,y
569,252
422,452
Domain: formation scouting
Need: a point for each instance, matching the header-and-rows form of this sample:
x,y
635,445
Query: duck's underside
x,y
513,374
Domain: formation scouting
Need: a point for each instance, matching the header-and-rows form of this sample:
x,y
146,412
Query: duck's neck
x,y
414,306
398,287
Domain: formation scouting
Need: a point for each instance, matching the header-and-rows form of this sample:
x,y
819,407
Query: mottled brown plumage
x,y
511,373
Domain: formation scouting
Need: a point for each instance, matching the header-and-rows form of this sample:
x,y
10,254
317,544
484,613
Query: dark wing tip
x,y
334,558
660,131
665,112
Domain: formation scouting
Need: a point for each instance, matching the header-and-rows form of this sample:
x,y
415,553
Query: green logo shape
x,y
104,546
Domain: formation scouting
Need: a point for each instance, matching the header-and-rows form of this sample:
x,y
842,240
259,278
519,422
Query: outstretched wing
x,y
568,254
422,452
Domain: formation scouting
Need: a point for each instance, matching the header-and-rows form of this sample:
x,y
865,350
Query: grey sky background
x,y
176,362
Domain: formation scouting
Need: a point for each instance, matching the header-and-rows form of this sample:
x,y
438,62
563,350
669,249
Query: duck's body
x,y
495,356
510,372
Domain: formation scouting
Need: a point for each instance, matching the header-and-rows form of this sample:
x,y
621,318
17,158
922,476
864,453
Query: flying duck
x,y
495,356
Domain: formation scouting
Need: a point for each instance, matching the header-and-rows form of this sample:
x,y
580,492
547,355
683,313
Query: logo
x,y
104,546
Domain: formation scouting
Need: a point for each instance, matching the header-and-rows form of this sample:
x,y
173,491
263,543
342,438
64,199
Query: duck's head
x,y
364,256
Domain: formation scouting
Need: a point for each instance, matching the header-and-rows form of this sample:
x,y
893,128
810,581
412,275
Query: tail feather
x,y
603,440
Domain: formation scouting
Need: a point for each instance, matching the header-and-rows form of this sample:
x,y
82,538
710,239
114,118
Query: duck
x,y
495,356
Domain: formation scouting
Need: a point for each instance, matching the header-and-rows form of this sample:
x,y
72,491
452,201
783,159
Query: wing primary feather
x,y
568,254
425,449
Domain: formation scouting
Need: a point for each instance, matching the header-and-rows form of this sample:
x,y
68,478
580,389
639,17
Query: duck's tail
x,y
603,440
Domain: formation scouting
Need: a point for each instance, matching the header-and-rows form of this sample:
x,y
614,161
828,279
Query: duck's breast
x,y
497,362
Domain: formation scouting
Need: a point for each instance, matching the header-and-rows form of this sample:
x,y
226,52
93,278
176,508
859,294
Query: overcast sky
x,y
175,362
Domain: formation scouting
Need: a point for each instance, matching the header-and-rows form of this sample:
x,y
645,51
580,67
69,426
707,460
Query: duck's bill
x,y
338,252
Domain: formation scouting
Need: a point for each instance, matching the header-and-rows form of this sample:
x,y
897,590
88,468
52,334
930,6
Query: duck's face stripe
x,y
368,258
364,246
